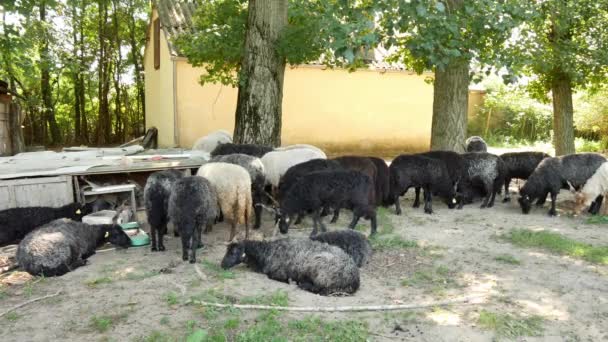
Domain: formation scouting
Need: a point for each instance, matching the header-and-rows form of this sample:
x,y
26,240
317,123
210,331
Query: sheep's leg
x,y
428,201
336,216
199,243
489,191
552,211
161,236
258,216
397,204
356,217
315,222
232,230
595,207
417,198
194,242
491,204
185,246
542,199
299,219
507,197
154,245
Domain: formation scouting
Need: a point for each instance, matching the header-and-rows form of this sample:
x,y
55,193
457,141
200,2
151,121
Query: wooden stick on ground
x,y
465,300
29,302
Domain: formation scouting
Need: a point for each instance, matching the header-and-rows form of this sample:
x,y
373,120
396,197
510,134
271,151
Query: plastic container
x,y
100,217
138,237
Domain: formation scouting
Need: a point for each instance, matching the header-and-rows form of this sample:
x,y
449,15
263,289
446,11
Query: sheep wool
x,y
277,163
352,242
595,186
209,142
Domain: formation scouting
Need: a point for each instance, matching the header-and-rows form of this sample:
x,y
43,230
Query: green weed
x,y
507,259
511,326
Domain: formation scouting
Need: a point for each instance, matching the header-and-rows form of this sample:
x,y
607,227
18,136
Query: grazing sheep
x,y
249,149
335,189
382,182
555,173
483,170
276,163
410,170
156,199
476,144
15,223
316,267
361,164
350,241
232,184
192,205
594,189
520,165
452,160
300,146
209,142
254,166
63,245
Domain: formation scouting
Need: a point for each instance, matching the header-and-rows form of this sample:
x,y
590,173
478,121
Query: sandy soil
x,y
456,247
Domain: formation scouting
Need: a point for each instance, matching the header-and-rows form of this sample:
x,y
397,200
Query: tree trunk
x,y
103,124
563,124
450,104
48,111
118,127
14,117
260,96
137,59
84,128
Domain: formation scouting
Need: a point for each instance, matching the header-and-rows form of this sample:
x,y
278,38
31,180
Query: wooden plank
x,y
41,191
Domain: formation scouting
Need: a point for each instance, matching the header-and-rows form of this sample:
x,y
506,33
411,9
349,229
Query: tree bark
x,y
14,117
103,124
48,111
260,95
450,105
136,60
563,122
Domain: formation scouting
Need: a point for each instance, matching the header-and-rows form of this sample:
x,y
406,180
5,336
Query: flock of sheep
x,y
241,180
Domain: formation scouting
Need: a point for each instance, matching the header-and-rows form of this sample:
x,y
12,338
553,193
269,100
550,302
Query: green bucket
x,y
139,239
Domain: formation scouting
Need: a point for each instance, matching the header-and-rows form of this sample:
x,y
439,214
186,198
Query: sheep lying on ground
x,y
483,170
232,185
334,189
476,144
316,267
382,182
350,241
192,205
363,165
209,142
408,171
453,162
249,149
156,199
254,166
276,163
15,223
520,165
594,190
553,174
63,245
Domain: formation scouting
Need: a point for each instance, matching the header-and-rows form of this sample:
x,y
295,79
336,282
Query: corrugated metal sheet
x,y
175,19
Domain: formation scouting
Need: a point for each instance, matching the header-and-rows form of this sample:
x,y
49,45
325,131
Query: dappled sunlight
x,y
545,307
483,285
444,317
125,272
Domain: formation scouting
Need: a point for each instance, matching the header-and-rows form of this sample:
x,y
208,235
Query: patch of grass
x,y
266,328
141,275
217,271
11,316
156,336
164,320
511,326
98,281
507,259
386,238
232,323
3,294
434,279
277,298
315,329
171,298
597,220
559,244
198,335
101,323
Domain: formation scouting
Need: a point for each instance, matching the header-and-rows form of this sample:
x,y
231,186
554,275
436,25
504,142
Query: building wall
x,y
364,111
159,88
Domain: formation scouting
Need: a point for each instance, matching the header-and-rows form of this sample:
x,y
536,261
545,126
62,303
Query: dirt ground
x,y
137,295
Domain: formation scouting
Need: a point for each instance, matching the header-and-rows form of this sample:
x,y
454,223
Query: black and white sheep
x,y
452,160
232,185
334,189
350,241
316,267
15,223
476,144
63,245
249,149
193,204
407,171
276,163
483,171
382,182
156,200
254,166
553,174
595,188
520,165
209,142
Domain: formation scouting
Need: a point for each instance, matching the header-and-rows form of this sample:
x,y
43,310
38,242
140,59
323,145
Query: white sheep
x,y
209,142
232,184
596,185
276,163
299,146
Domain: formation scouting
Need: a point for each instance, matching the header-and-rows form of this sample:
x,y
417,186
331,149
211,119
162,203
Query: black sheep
x,y
249,149
481,170
452,160
520,165
361,164
382,182
156,199
15,223
476,144
431,175
334,189
553,174
350,241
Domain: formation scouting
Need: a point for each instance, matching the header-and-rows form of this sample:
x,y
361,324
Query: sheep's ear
x,y
78,212
572,189
107,235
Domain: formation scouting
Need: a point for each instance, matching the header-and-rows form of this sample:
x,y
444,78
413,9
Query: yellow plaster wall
x,y
343,112
159,89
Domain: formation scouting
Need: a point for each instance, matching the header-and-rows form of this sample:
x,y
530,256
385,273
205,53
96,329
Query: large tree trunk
x,y
450,104
103,124
260,96
48,111
563,124
137,59
14,117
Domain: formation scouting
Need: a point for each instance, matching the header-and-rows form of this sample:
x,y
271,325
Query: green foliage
x,y
507,259
217,271
591,116
511,326
267,328
98,281
278,298
590,220
171,298
314,328
560,244
11,316
386,238
584,145
433,279
101,323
